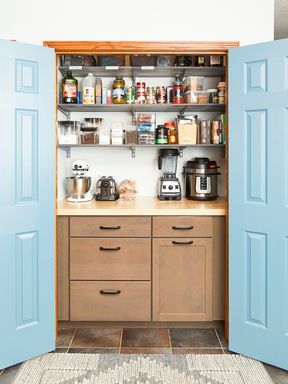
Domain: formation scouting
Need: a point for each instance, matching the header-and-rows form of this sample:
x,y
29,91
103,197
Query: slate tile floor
x,y
142,340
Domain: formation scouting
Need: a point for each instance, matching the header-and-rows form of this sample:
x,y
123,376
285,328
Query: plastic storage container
x,y
143,60
146,125
111,60
68,132
193,83
196,97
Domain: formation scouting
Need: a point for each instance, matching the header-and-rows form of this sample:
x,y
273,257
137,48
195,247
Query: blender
x,y
78,186
169,187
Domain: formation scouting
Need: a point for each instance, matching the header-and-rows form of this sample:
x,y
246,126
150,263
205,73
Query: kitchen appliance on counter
x,y
201,179
78,186
106,189
169,187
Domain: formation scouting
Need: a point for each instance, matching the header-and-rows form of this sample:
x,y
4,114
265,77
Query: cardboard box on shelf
x,y
187,133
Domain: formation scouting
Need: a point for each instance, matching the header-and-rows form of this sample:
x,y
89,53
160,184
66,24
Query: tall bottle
x,y
88,89
69,89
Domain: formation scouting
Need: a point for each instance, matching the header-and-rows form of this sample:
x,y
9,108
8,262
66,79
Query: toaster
x,y
106,189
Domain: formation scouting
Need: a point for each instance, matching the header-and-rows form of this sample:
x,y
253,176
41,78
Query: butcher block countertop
x,y
143,206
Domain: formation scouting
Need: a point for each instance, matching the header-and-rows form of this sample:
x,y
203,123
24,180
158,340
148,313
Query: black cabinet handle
x,y
182,242
109,292
109,249
182,228
116,227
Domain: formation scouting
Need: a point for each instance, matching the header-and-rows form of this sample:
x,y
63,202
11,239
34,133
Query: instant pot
x,y
201,179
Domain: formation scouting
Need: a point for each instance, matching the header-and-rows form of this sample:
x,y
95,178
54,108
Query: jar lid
x,y
88,129
69,122
93,120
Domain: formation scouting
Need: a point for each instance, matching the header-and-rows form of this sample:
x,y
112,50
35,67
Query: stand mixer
x,y
78,186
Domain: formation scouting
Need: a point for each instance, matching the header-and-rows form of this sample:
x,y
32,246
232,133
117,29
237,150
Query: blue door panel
x,y
27,206
258,196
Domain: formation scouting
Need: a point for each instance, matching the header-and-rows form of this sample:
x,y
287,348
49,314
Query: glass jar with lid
x,y
118,93
89,133
68,132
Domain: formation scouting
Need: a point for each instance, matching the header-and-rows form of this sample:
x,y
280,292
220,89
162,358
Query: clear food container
x,y
193,83
131,136
92,122
89,135
68,132
196,97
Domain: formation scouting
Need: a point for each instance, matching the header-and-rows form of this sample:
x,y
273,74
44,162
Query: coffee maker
x,y
169,187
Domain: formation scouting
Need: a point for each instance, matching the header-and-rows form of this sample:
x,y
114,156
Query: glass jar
x,y
118,93
178,91
89,135
69,89
68,132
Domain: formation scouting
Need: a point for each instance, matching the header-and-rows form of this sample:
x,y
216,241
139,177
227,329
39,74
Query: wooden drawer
x,y
112,226
110,301
182,226
110,259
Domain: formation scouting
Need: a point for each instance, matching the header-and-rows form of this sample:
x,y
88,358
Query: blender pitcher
x,y
167,161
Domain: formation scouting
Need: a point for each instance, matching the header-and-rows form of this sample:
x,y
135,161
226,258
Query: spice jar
x,y
118,93
140,93
161,95
221,92
150,95
177,91
130,95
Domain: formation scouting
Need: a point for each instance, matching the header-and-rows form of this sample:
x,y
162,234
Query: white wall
x,y
33,21
249,21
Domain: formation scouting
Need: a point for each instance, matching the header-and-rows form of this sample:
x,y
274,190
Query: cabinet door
x,y
258,202
182,279
27,202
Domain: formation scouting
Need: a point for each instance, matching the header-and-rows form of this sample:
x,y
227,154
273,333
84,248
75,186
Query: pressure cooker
x,y
201,179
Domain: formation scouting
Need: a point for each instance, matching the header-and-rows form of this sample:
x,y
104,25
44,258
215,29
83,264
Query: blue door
x,y
258,202
27,207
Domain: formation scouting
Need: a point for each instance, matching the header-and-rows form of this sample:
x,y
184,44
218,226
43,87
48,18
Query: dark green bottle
x,y
69,89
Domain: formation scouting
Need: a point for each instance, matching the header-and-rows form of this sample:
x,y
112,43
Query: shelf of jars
x,y
68,147
145,71
180,108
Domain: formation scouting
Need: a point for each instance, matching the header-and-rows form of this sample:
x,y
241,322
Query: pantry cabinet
x,y
182,279
141,268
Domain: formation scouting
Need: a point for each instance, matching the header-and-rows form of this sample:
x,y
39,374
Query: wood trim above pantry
x,y
152,47
143,206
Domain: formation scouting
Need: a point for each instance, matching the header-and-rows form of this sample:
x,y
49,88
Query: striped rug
x,y
56,368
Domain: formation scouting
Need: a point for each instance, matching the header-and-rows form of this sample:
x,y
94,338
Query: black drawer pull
x,y
109,292
109,249
182,242
103,227
183,228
